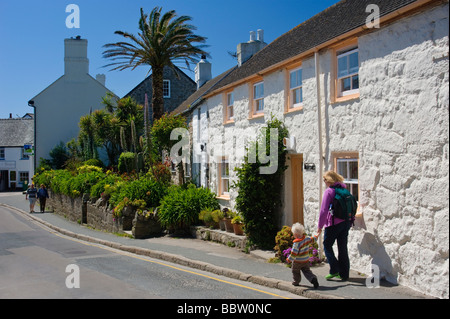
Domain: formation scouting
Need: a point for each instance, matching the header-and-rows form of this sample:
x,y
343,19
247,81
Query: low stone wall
x,y
220,236
99,215
70,208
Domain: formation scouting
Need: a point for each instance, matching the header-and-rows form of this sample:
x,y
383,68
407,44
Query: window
x,y
348,168
295,88
23,177
229,112
166,89
347,72
258,97
224,177
24,155
2,153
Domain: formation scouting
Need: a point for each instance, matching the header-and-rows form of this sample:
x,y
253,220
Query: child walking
x,y
300,256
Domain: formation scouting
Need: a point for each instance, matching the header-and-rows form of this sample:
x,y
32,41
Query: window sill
x,y
346,98
256,116
228,122
224,197
294,109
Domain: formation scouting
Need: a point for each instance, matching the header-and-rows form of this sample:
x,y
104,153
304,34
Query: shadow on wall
x,y
371,246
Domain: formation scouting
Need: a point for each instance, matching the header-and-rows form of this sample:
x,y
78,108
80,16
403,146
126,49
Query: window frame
x,y
223,178
341,48
166,96
255,99
292,105
346,53
347,157
228,109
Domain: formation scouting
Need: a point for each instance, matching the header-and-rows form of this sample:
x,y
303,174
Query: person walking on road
x,y
336,229
32,197
42,194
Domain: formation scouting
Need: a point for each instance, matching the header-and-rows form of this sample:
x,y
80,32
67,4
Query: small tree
x,y
59,156
259,195
161,132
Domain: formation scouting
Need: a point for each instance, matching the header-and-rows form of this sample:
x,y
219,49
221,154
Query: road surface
x,y
37,262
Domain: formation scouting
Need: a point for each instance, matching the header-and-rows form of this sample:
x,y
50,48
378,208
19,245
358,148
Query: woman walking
x,y
336,229
42,194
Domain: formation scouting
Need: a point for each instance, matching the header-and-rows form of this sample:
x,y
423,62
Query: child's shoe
x,y
315,283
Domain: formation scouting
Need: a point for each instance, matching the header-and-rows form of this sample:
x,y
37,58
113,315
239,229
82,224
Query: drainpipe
x,y
319,122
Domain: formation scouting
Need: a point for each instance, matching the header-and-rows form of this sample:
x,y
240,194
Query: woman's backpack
x,y
344,204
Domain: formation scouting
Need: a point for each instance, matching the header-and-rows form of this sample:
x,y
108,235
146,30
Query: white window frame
x,y
224,179
295,88
349,75
347,180
258,100
166,89
230,106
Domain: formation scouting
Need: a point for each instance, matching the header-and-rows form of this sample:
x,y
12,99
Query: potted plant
x,y
208,218
218,216
229,215
237,222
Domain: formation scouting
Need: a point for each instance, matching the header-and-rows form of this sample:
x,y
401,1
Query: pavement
x,y
220,259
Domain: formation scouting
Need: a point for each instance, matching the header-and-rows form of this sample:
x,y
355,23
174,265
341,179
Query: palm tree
x,y
163,40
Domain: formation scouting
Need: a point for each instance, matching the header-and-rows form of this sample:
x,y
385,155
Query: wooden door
x,y
297,188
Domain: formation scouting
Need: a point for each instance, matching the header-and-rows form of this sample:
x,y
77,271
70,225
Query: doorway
x,y
297,187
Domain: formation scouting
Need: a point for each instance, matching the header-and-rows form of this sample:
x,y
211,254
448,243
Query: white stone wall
x,y
398,127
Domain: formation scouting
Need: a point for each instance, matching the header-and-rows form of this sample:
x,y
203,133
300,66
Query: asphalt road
x,y
36,262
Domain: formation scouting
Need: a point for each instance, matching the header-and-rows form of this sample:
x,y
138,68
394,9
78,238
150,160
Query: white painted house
x,y
16,166
368,100
58,108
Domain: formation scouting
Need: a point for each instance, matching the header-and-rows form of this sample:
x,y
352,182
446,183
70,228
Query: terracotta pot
x,y
228,225
238,229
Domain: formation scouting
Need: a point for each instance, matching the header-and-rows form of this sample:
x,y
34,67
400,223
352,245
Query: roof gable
x,y
16,132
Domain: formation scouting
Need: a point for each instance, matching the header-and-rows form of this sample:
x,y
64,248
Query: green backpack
x,y
344,204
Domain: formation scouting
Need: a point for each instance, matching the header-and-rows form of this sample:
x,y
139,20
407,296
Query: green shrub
x,y
147,189
94,162
181,207
259,195
44,177
127,162
105,185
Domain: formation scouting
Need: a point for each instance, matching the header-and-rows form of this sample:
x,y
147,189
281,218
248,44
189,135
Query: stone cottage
x,y
177,87
363,88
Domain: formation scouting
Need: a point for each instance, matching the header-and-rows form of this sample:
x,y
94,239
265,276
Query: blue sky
x,y
32,37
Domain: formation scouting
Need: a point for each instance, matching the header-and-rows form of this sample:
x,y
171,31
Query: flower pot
x,y
228,225
237,228
222,225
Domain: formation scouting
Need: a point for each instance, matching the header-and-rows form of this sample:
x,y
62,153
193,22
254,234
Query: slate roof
x,y
334,21
16,132
198,95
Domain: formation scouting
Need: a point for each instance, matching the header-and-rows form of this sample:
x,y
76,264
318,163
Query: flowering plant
x,y
287,252
314,256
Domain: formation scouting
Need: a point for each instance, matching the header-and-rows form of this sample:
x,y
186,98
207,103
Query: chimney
x,y
101,78
246,50
202,72
76,63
